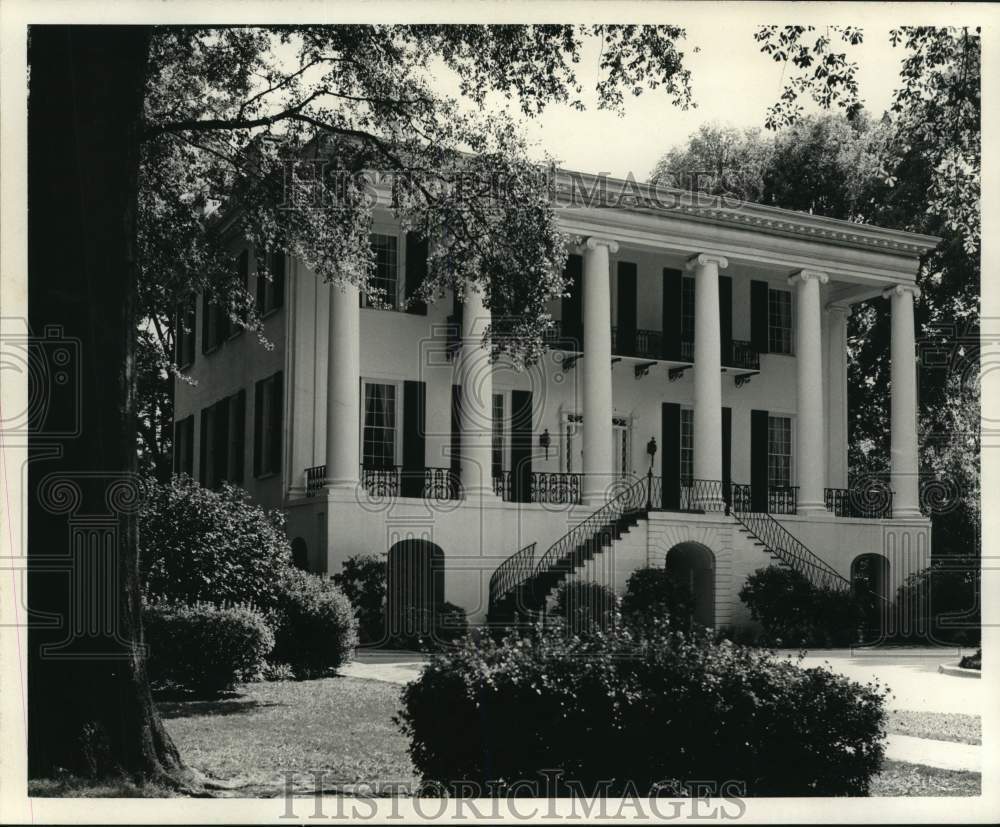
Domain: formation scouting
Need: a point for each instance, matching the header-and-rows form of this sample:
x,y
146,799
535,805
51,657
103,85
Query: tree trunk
x,y
90,709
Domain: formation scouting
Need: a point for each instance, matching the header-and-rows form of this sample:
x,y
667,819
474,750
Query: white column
x,y
810,442
836,400
903,442
343,389
476,379
707,366
598,407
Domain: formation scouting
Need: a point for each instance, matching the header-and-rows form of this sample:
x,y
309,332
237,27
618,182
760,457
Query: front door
x,y
621,446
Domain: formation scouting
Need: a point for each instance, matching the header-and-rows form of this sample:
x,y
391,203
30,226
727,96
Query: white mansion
x,y
691,412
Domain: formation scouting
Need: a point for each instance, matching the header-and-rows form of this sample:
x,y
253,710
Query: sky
x,y
732,83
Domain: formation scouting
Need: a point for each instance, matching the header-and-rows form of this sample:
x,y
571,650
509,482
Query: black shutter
x,y
243,268
189,446
758,460
261,285
237,410
414,432
726,319
727,452
207,334
416,272
206,414
572,305
670,453
258,427
278,274
520,445
758,316
456,428
277,394
673,291
178,437
220,442
627,309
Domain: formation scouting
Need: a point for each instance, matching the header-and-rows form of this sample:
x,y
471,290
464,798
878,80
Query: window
x,y
779,321
386,276
267,425
184,333
379,438
687,309
271,285
184,446
779,451
221,454
687,446
498,434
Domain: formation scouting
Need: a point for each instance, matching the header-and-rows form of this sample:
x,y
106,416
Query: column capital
x,y
805,275
701,259
594,242
841,308
900,289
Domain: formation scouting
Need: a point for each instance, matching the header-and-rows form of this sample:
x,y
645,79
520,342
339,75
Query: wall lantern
x,y
651,450
544,440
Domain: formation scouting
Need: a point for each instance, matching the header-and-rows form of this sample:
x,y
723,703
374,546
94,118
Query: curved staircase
x,y
521,585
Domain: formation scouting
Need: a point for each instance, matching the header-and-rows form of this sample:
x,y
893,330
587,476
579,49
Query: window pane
x,y
385,276
687,446
779,321
779,451
379,442
498,429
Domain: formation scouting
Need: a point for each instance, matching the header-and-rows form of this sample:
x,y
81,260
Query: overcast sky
x,y
732,83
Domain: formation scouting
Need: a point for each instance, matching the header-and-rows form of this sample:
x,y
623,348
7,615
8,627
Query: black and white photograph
x,y
497,412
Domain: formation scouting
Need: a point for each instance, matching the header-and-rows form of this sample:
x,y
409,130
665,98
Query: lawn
x,y
341,727
942,726
898,779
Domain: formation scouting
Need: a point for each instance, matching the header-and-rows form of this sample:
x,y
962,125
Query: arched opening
x,y
870,573
300,554
414,589
870,581
692,567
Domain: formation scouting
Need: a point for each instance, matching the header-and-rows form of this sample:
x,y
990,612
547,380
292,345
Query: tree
x,y
186,116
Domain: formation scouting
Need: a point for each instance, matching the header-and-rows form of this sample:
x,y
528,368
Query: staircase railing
x,y
787,548
515,571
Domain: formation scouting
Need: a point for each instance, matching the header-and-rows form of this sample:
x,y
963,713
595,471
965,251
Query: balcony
x,y
395,481
872,502
554,488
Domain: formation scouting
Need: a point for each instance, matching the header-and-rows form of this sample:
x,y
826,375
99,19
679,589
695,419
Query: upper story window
x,y
687,309
271,287
222,441
687,446
779,451
379,437
779,321
386,275
184,446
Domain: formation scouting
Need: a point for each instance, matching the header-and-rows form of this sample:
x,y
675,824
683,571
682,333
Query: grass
x,y
941,726
898,779
340,727
70,786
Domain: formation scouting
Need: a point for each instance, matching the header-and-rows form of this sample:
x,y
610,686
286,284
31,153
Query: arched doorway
x,y
870,581
692,567
300,554
414,588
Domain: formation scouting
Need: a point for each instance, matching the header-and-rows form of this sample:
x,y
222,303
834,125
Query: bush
x,y
429,630
972,661
641,710
205,648
941,603
363,580
450,623
653,594
215,546
794,612
586,607
316,630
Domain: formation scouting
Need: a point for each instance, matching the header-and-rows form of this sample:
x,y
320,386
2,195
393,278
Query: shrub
x,y
653,594
941,603
429,630
641,710
203,647
794,612
363,580
216,546
972,661
450,623
586,607
315,625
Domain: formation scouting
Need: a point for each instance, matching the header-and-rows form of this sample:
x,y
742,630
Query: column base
x,y
906,513
341,486
481,496
811,508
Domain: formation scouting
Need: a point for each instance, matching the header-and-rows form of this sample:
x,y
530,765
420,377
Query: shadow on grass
x,y
192,708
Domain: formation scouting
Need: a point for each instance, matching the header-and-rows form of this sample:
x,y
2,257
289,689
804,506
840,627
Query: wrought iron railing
x,y
867,503
644,344
782,499
782,544
741,355
515,570
554,487
395,481
502,485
